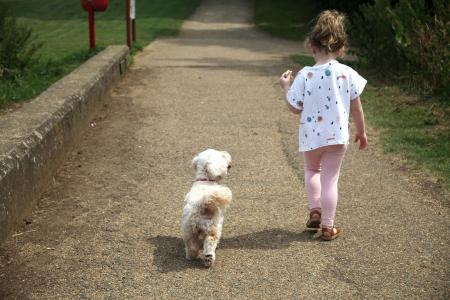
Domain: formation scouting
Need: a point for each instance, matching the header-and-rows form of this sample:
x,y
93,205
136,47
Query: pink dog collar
x,y
205,179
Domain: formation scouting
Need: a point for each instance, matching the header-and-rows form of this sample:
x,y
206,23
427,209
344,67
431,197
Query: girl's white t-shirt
x,y
323,93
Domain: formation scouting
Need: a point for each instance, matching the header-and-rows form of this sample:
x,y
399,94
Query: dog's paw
x,y
208,261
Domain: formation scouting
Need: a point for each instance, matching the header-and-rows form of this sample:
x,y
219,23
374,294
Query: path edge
x,y
35,139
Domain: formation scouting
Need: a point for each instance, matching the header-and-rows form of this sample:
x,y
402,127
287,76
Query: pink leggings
x,y
322,167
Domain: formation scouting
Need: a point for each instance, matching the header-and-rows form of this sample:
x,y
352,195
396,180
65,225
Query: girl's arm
x,y
285,82
357,114
293,109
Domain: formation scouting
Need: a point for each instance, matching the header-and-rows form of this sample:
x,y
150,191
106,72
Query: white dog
x,y
205,205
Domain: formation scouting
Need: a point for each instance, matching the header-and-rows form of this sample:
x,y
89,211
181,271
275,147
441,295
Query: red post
x,y
128,23
91,6
91,28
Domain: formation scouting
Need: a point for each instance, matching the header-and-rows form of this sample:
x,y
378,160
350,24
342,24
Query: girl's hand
x,y
285,79
362,138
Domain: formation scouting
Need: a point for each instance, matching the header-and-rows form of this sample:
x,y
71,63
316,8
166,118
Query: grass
x,y
417,128
62,27
290,19
40,76
411,126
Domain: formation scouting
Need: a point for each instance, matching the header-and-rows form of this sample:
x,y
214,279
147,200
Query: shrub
x,y
17,49
408,39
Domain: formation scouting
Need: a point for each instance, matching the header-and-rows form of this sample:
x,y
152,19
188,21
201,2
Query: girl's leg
x,y
331,166
312,177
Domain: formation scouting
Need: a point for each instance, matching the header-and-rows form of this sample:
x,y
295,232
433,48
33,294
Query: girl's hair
x,y
328,34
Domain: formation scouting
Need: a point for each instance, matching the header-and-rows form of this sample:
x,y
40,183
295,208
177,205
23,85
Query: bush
x,y
408,39
17,49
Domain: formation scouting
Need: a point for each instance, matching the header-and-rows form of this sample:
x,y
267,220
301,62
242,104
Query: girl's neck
x,y
322,58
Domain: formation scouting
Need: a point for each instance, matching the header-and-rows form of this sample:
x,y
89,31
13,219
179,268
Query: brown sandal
x,y
313,223
330,233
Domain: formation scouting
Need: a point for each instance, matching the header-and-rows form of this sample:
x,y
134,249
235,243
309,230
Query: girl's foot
x,y
313,223
330,233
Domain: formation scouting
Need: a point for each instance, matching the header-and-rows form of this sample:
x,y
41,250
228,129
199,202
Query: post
x,y
133,19
128,23
91,28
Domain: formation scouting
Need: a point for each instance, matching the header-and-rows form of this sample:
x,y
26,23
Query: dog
x,y
205,205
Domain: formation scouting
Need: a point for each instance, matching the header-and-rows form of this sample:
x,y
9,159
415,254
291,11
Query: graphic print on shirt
x,y
326,103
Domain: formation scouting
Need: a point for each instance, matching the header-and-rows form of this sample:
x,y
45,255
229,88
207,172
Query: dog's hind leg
x,y
209,248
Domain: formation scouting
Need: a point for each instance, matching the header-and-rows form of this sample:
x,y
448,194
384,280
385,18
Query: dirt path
x,y
109,226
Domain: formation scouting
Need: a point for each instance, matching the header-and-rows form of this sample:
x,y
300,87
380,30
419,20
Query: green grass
x,y
290,19
40,76
417,128
62,27
411,126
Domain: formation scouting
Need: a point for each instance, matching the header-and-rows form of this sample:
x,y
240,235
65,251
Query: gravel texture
x,y
108,228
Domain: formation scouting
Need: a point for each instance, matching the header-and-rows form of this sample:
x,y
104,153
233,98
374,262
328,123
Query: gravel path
x,y
108,228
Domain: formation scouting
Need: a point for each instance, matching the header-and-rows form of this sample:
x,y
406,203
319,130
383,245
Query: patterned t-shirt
x,y
323,93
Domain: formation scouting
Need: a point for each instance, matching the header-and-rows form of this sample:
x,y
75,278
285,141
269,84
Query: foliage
x,y
408,39
17,49
37,77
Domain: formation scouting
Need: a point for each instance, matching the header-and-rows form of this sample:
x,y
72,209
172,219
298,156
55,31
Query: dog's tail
x,y
215,201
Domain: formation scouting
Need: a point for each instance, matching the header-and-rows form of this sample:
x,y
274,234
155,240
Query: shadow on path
x,y
168,255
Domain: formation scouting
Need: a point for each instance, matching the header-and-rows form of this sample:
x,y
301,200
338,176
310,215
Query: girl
x,y
325,95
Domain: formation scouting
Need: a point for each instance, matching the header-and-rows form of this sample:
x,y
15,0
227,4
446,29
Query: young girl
x,y
325,95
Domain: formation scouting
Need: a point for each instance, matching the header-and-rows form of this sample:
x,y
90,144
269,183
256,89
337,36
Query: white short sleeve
x,y
357,84
296,93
